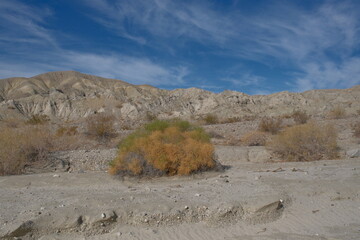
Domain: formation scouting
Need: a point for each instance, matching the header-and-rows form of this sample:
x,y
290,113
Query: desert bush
x,y
21,147
306,142
254,138
101,127
164,148
232,120
150,117
12,123
356,129
211,119
300,117
66,131
38,119
337,113
271,125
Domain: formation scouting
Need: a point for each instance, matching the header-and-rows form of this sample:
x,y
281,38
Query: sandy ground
x,y
314,200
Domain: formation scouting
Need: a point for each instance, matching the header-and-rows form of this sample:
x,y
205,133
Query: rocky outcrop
x,y
72,95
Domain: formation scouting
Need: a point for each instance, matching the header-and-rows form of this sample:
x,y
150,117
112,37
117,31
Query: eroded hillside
x,y
72,95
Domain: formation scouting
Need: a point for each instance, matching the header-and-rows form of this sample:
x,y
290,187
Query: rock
x,y
353,153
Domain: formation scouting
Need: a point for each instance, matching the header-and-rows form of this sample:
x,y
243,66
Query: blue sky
x,y
256,47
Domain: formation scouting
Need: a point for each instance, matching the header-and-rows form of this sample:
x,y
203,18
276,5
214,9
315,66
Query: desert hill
x,y
70,95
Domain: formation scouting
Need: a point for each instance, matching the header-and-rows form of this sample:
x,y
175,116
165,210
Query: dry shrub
x,y
66,131
300,117
149,117
164,148
356,129
307,142
38,119
271,125
337,113
101,127
232,120
254,138
211,119
21,147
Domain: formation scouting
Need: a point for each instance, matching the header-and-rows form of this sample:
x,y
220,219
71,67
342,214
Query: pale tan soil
x,y
315,200
252,199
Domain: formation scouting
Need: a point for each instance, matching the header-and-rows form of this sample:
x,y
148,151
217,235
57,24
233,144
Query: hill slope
x,y
73,95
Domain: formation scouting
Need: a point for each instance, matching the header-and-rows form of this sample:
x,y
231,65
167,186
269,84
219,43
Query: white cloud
x,y
246,79
282,35
24,35
20,22
330,75
130,69
127,68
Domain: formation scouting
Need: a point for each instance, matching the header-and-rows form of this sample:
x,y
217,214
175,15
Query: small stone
x,y
56,175
197,195
103,215
118,234
186,207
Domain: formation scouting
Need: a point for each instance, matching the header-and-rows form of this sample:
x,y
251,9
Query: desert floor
x,y
249,200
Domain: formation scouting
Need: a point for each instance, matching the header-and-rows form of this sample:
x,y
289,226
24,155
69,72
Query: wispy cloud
x,y
245,79
23,25
162,18
20,22
283,34
127,68
131,69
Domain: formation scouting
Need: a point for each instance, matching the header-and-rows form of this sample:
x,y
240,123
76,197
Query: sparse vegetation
x,y
356,129
211,119
164,148
337,113
271,125
101,127
38,119
300,117
66,131
20,147
150,117
307,142
232,120
254,138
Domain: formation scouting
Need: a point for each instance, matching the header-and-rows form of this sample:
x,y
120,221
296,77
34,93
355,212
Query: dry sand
x,y
314,200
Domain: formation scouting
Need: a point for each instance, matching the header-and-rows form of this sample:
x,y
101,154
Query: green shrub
x,y
307,142
164,148
271,125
